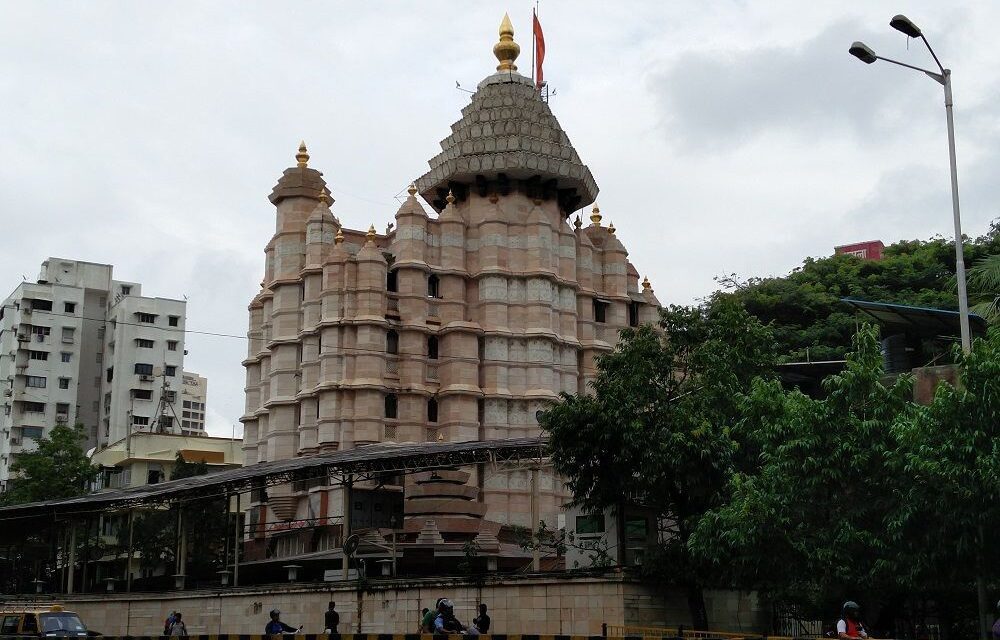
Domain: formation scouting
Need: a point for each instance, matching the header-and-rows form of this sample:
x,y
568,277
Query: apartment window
x,y
35,433
33,407
600,311
95,406
154,474
433,286
174,321
63,408
97,382
66,356
633,314
392,281
148,318
37,382
140,421
100,331
41,305
171,345
186,424
187,404
170,370
170,396
391,406
126,289
110,374
636,528
142,343
143,369
392,341
99,357
432,347
64,383
68,333
590,524
432,410
41,331
38,355
185,414
69,307
142,394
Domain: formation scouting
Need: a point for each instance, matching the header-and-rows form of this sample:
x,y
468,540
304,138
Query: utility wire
x,y
566,367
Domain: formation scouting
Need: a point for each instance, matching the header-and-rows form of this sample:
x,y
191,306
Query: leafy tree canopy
x,y
804,308
808,524
655,431
58,468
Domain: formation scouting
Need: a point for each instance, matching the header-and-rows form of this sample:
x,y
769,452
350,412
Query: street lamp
x,y
865,54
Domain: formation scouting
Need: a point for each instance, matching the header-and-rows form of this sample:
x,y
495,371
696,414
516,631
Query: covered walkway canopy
x,y
361,461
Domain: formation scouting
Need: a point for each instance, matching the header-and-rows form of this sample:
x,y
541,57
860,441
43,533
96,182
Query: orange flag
x,y
539,50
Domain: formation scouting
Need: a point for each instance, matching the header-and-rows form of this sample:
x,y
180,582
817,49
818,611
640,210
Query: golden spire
x,y
412,189
324,197
506,50
577,223
302,157
611,228
645,284
370,236
450,197
339,238
595,216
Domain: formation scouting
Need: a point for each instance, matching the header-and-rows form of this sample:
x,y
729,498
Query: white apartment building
x,y
79,347
194,395
143,360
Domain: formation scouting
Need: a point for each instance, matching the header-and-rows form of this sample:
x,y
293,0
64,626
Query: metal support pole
x,y
71,561
237,540
131,550
345,528
536,559
963,298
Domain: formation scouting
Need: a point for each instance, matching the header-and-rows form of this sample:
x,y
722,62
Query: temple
x,y
488,298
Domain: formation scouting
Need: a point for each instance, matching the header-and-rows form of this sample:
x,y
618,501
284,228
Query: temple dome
x,y
508,133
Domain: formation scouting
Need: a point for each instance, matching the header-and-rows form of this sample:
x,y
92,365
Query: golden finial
x,y
595,216
303,155
645,284
506,50
339,238
577,223
324,197
611,228
450,197
412,189
370,236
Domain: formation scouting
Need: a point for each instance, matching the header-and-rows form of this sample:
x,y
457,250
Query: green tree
x,y
984,288
804,309
808,525
663,402
57,468
950,456
156,530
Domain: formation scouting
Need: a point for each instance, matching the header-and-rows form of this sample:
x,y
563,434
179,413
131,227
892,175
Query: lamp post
x,y
943,76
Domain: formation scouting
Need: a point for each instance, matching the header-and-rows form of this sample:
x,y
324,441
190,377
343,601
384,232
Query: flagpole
x,y
534,16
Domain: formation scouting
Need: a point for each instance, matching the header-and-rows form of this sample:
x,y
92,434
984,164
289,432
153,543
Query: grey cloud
x,y
721,99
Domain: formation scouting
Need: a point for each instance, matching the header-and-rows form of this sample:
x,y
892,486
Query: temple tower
x,y
461,323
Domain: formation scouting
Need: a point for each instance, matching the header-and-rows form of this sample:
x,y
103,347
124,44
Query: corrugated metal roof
x,y
924,320
361,460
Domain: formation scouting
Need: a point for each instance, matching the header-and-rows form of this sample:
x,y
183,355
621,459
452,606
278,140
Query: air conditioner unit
x,y
26,310
8,392
62,418
146,378
22,337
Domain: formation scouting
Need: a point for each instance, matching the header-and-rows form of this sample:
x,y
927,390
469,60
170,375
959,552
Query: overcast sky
x,y
725,136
